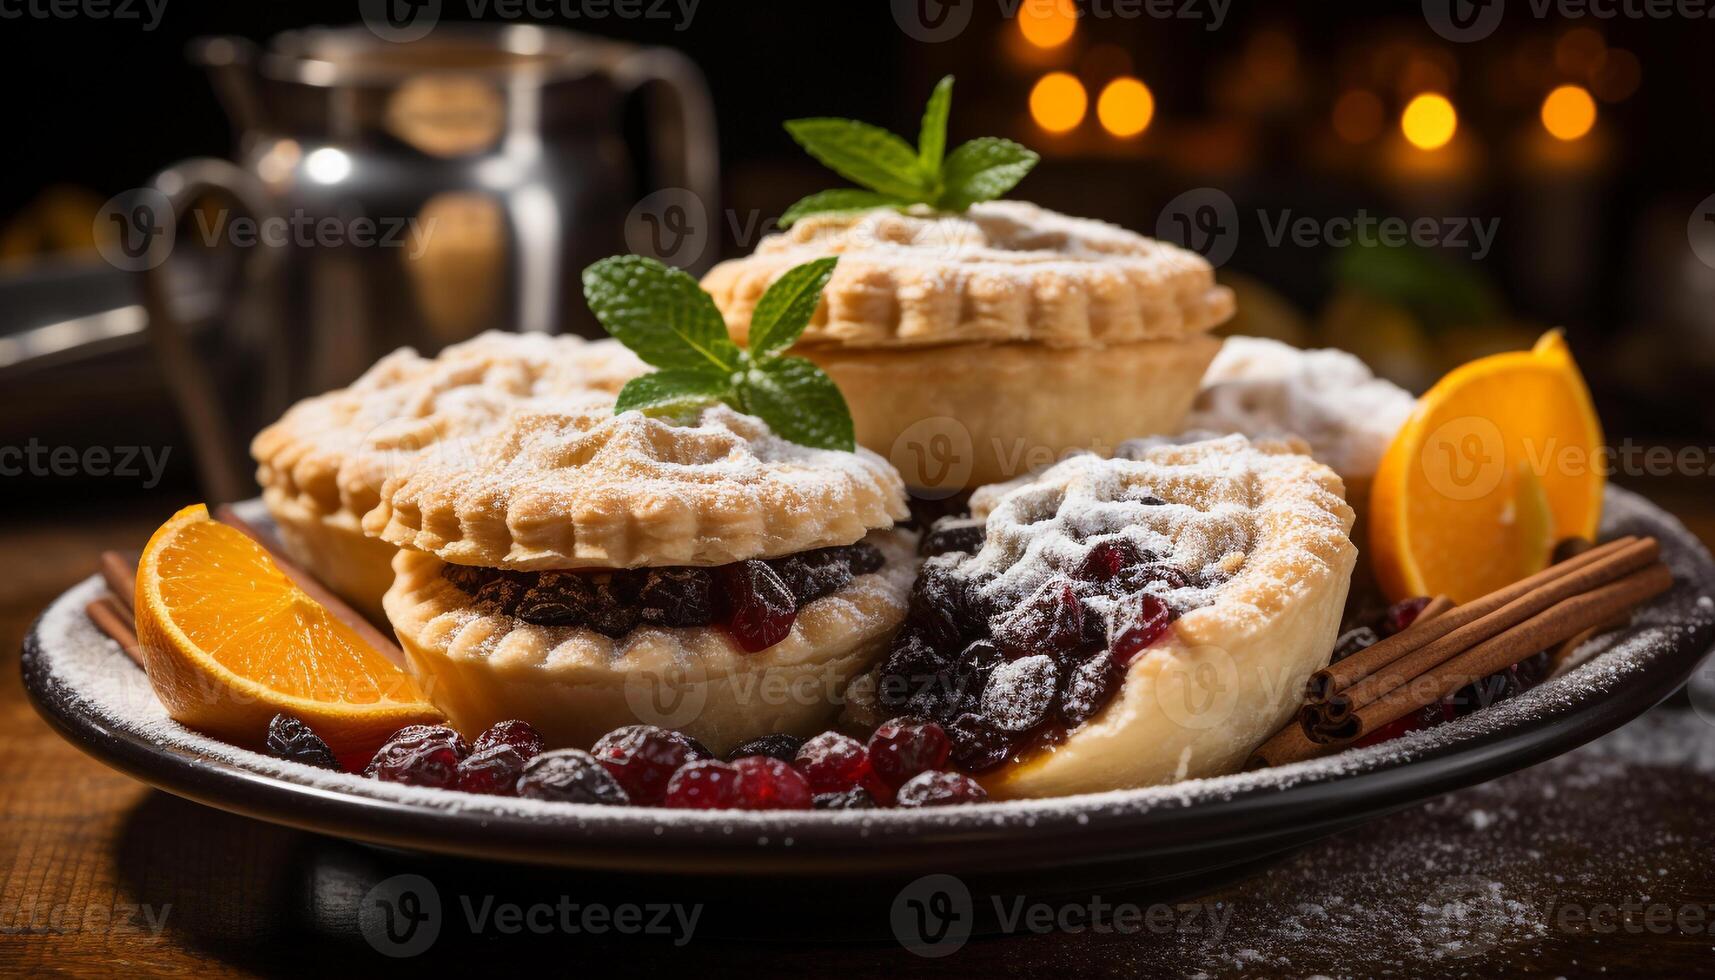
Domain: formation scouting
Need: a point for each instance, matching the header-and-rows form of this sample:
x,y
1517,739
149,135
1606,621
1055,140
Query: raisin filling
x,y
1006,675
756,600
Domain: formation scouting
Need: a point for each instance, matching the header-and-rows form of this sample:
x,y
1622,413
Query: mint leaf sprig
x,y
667,320
894,175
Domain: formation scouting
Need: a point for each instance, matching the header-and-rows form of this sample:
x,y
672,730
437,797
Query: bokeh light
x,y
1568,112
1047,23
1125,107
1358,116
1429,121
1058,102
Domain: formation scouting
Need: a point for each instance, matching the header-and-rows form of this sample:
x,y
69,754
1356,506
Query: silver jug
x,y
388,194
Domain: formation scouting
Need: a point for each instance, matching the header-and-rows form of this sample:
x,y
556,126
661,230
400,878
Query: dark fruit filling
x,y
1000,673
420,755
940,789
643,758
570,776
289,738
756,600
777,746
851,799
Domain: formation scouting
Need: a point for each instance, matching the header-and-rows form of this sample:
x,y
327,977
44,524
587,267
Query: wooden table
x,y
99,873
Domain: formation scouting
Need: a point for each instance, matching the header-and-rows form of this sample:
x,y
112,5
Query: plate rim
x,y
1057,834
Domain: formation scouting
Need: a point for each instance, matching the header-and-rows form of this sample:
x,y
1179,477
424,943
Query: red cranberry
x,y
420,755
570,776
521,735
1139,620
291,739
493,770
777,746
706,784
832,762
643,758
1402,614
1106,560
769,784
940,789
904,747
759,608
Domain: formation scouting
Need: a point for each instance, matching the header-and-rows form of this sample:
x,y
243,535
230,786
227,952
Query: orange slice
x,y
229,641
1501,459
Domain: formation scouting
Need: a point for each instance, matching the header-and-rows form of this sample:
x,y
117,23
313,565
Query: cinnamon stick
x,y
1558,623
120,574
1478,621
111,618
315,589
1288,745
1342,675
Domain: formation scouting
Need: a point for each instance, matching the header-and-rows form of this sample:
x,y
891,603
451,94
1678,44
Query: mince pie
x,y
1115,623
584,571
321,466
1020,332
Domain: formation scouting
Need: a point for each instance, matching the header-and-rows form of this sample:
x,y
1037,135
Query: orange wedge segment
x,y
229,641
1501,459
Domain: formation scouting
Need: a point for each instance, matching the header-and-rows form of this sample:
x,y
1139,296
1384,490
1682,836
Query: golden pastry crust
x,y
552,489
966,415
1001,271
1270,522
575,685
322,465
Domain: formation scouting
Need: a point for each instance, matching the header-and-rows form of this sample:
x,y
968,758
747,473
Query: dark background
x,y
1598,245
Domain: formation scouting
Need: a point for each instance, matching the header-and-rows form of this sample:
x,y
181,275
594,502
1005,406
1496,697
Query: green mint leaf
x,y
672,392
799,403
982,170
661,314
932,135
786,307
844,199
863,154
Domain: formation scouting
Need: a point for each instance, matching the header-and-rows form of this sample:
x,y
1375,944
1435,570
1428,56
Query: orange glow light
x,y
1429,121
1058,102
1125,107
1047,23
1358,116
1568,112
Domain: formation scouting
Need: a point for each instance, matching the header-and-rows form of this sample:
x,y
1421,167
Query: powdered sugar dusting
x,y
1329,398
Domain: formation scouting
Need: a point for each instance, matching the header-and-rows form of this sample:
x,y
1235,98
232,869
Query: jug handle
x,y
224,476
687,159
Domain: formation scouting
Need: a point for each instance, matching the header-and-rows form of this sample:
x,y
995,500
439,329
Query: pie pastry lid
x,y
573,489
575,685
1000,271
331,453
